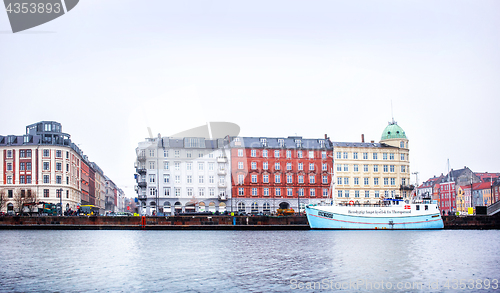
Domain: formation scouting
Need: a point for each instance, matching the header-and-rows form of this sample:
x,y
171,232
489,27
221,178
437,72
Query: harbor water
x,y
249,261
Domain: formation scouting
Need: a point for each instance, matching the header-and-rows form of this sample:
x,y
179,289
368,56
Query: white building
x,y
177,175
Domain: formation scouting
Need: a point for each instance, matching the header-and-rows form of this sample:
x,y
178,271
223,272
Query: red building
x,y
271,173
447,197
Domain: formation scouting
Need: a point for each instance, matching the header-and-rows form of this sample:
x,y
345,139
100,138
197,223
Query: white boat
x,y
389,214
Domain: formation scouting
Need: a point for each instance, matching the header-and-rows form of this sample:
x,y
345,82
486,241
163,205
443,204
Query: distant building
x,y
45,162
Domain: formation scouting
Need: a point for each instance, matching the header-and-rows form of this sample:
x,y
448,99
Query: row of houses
x,y
263,174
44,165
462,191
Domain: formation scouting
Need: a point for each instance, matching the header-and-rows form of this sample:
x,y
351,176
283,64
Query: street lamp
x,y
60,201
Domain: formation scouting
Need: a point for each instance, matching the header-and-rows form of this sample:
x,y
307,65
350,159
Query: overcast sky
x,y
107,70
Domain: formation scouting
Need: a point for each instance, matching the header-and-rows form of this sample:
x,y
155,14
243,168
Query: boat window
x,y
426,207
418,207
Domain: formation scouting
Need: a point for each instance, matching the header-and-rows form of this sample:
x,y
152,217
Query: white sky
x,y
107,70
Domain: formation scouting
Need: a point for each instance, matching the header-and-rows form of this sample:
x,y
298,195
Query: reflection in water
x,y
245,261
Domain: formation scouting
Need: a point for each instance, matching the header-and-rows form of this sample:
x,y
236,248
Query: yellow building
x,y
365,173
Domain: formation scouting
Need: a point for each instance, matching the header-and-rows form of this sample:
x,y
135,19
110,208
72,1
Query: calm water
x,y
246,261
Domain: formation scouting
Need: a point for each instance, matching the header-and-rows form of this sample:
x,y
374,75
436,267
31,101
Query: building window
x,y
346,168
189,166
265,178
386,181
311,166
211,179
253,153
312,192
289,179
325,179
211,166
393,181
386,168
375,181
367,193
339,167
391,168
277,166
384,156
346,193
264,153
265,166
151,153
22,153
241,191
323,155
301,166
177,166
189,179
177,153
9,166
339,180
324,167
46,179
165,153
28,166
166,191
402,157
254,178
166,165
58,166
288,166
166,178
299,154
346,180
177,192
276,154
254,191
366,181
301,192
277,191
177,179
281,142
277,178
151,165
201,166
301,179
289,191
355,155
325,192
45,193
339,193
288,154
266,191
377,193
339,155
253,165
46,153
240,153
375,168
28,179
312,179
151,178
21,179
298,143
365,156
356,168
58,154
311,154
391,156
345,155
375,156
58,180
356,181
240,165
201,179
365,168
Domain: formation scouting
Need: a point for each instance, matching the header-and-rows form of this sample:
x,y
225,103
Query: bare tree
x,y
25,198
3,199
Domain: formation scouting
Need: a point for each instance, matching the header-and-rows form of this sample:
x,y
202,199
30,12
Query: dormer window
x,y
263,141
322,143
298,143
281,142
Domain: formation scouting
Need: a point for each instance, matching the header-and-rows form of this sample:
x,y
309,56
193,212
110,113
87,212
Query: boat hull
x,y
371,218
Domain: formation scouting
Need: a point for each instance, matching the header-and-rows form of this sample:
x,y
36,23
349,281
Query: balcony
x,y
221,172
142,197
143,184
141,158
221,160
222,184
222,196
141,171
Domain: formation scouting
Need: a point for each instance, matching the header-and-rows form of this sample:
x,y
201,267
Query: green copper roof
x,y
393,131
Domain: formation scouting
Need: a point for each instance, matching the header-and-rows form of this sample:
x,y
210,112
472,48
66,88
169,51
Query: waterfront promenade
x,y
216,222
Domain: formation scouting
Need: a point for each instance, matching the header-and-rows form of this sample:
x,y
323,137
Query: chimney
x,y
362,138
373,141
